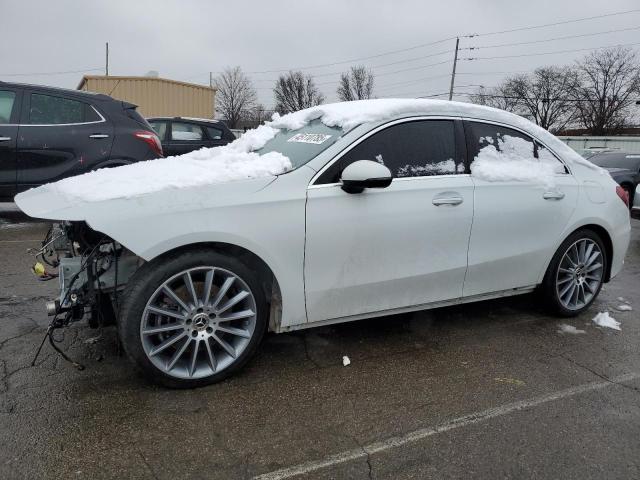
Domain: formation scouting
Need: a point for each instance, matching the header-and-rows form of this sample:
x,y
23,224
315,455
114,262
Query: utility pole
x,y
211,79
453,73
106,66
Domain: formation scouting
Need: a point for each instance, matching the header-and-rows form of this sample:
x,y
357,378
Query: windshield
x,y
303,144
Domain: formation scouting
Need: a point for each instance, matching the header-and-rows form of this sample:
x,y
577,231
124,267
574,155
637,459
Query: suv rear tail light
x,y
151,139
623,194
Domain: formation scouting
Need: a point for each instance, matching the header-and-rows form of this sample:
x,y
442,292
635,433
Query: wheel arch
x,y
603,233
266,276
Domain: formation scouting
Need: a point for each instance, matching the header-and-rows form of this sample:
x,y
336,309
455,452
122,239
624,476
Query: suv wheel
x,y
192,319
576,273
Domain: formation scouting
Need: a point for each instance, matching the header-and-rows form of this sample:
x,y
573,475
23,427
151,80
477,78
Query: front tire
x,y
576,274
192,318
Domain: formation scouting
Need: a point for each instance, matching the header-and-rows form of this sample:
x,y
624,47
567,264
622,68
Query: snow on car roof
x,y
239,160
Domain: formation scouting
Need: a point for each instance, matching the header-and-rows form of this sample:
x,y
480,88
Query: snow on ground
x,y
565,328
345,361
624,307
603,319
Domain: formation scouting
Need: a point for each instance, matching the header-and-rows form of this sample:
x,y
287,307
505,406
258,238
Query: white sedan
x,y
336,213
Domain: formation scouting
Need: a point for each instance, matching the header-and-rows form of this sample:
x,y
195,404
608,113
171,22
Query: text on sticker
x,y
316,138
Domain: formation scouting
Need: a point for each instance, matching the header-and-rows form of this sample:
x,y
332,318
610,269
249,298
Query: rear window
x,y
617,160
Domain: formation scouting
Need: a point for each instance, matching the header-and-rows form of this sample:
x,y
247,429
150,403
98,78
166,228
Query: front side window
x,y
50,110
186,132
7,99
412,149
494,143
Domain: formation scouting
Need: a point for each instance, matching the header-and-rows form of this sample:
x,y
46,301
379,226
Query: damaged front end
x,y
92,270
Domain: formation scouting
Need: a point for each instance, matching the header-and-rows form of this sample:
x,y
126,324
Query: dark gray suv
x,y
47,134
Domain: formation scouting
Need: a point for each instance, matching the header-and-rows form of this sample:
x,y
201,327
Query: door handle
x,y
99,135
449,198
553,195
5,139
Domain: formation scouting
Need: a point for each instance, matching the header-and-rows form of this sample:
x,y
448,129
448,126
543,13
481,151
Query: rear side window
x,y
412,149
160,128
50,110
214,133
186,132
7,99
501,143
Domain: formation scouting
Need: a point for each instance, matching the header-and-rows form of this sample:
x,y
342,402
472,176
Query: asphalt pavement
x,y
486,390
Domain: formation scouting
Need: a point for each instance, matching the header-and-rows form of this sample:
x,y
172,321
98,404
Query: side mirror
x,y
365,174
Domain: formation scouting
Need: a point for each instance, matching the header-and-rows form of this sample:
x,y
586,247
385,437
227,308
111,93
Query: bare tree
x,y
609,81
357,84
235,95
543,96
496,97
295,91
258,114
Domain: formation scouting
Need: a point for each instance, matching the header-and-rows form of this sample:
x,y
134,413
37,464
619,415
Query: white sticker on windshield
x,y
316,138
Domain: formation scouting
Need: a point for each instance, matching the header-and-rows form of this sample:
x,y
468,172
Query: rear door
x,y
516,224
9,115
184,137
59,137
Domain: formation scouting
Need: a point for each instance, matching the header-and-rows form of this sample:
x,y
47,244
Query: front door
x,y
517,221
401,246
9,113
59,137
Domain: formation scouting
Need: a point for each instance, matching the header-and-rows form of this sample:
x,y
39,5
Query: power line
x,y
551,39
50,73
392,52
550,53
533,27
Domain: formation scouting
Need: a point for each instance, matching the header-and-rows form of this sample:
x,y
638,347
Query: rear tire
x,y
192,318
576,273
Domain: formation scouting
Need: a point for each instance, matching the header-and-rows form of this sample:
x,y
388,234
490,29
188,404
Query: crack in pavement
x,y
598,374
144,460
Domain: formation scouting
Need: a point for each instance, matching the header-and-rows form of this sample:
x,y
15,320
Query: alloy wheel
x,y
580,274
198,322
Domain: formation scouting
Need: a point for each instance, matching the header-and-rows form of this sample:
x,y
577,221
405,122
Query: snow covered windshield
x,y
303,144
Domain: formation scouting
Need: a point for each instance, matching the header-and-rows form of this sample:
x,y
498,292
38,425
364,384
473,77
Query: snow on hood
x,y
239,160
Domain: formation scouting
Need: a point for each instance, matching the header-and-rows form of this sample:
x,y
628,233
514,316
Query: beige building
x,y
156,97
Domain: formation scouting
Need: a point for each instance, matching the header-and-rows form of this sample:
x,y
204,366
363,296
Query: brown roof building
x,y
156,96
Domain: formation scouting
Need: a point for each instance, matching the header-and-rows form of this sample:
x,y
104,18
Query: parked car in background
x,y
47,134
623,167
635,202
337,213
182,134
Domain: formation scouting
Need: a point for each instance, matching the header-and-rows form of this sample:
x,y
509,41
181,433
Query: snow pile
x,y
206,166
603,319
624,308
345,361
565,328
513,160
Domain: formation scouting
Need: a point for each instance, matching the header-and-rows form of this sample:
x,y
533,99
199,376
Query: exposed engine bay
x,y
91,269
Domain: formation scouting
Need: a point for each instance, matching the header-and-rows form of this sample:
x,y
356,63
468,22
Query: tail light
x,y
623,194
150,139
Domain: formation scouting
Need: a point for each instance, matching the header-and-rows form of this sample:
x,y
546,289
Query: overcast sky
x,y
184,40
